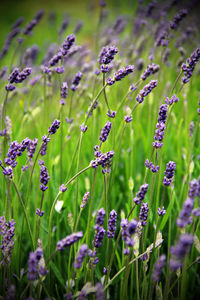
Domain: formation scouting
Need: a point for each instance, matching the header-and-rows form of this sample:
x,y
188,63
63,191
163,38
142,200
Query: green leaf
x,y
57,274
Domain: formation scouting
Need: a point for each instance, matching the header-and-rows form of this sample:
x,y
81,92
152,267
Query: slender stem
x,y
25,214
39,221
104,92
123,268
176,81
137,280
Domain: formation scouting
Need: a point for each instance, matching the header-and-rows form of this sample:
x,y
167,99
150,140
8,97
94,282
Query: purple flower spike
x,y
76,80
80,257
100,216
144,213
54,127
141,194
69,240
169,173
111,114
105,132
146,90
112,222
158,268
85,200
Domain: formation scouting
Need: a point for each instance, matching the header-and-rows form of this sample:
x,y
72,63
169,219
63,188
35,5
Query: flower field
x,y
99,152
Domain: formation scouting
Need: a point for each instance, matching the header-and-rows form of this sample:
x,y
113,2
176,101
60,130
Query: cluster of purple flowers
x,y
174,99
178,18
67,44
185,218
29,27
146,90
31,147
94,106
15,31
160,126
112,222
162,39
63,25
111,114
107,54
169,173
104,160
141,194
128,229
190,64
180,250
105,132
119,75
85,200
83,128
151,69
144,214
158,268
39,212
54,127
69,240
7,230
64,90
161,211
45,141
80,256
76,81
128,119
44,176
36,264
17,77
99,230
151,166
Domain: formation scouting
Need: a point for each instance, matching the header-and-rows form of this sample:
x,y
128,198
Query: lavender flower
x,y
63,25
44,176
141,194
69,240
161,211
54,127
63,188
85,200
128,119
169,173
111,114
180,250
80,256
36,264
119,75
184,218
151,69
100,216
104,160
68,43
105,132
146,90
83,128
128,229
158,268
144,213
107,54
189,67
160,126
31,147
45,140
39,213
174,99
76,80
99,287
178,18
99,235
150,165
7,230
112,222
64,90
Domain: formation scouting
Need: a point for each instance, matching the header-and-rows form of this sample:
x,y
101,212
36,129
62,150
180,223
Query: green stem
x,y
25,214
